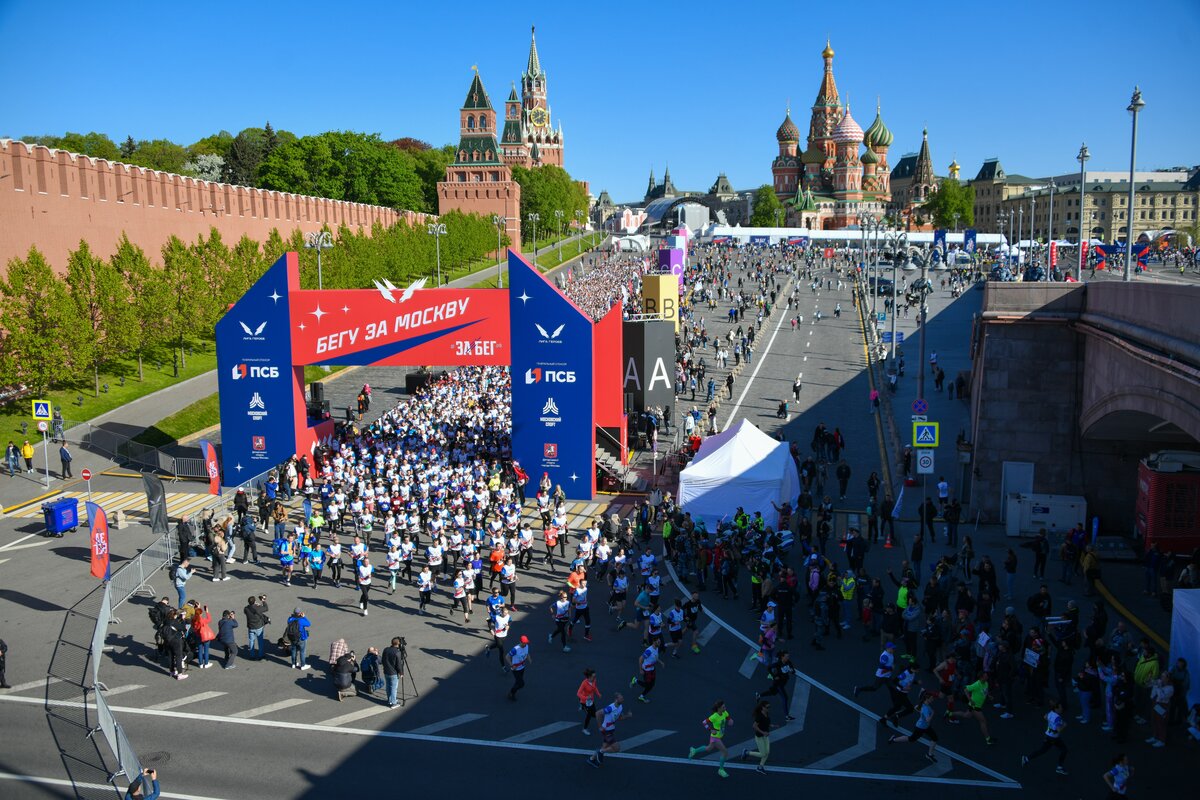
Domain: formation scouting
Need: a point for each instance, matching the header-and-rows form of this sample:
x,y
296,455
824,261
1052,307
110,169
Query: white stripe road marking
x,y
798,709
107,788
545,730
800,676
132,687
301,727
182,701
936,769
20,687
758,365
748,664
250,713
15,542
441,725
643,738
706,635
354,716
867,736
2,560
13,547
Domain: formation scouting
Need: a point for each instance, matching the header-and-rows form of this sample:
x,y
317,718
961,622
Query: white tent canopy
x,y
1185,634
741,466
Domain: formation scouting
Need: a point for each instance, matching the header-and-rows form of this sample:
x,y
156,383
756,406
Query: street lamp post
x,y
1083,236
1032,224
1020,232
1050,229
437,230
579,215
1135,105
318,240
558,214
500,223
898,243
534,218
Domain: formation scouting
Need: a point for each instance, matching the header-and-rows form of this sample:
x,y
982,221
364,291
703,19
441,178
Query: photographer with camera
x,y
393,668
144,786
256,620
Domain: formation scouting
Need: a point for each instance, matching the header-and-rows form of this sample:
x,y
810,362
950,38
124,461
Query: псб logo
x,y
537,375
242,371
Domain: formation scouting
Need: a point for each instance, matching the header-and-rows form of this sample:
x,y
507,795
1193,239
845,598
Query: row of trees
x,y
545,190
64,330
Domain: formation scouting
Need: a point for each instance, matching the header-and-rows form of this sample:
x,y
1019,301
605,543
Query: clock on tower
x,y
538,117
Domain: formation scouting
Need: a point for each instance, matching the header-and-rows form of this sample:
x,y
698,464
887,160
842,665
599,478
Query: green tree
x,y
431,166
147,294
160,154
545,190
100,303
245,154
344,165
768,212
36,319
186,297
217,144
97,145
128,148
951,198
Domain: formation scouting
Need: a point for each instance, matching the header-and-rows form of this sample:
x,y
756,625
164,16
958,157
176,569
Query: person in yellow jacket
x,y
847,587
27,454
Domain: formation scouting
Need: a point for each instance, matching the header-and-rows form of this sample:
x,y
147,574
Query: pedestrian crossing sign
x,y
925,434
41,410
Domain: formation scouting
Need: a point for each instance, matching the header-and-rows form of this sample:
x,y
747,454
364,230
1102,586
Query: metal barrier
x,y
190,468
134,575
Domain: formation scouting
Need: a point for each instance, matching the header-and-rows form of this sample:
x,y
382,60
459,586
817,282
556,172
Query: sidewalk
x,y
948,334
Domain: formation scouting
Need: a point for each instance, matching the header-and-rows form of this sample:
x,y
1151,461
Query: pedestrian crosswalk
x,y
132,503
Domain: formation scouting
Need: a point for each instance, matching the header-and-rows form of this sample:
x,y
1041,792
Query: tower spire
x,y
534,67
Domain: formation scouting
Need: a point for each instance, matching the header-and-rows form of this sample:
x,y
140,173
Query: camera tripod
x,y
406,674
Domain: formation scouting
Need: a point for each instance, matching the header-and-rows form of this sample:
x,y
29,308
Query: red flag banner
x,y
98,521
1054,254
210,463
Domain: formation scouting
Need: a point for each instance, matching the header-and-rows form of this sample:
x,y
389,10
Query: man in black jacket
x,y
256,620
393,670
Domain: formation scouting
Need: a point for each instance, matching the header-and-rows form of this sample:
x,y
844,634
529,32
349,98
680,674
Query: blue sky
x,y
635,85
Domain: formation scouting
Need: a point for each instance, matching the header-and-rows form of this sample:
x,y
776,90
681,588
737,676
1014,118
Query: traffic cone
x,y
887,542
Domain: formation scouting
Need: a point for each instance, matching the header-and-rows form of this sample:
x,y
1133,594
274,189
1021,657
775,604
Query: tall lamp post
x,y
319,240
1050,228
535,219
579,215
1020,232
500,223
1084,235
1032,224
437,230
1135,105
558,214
898,244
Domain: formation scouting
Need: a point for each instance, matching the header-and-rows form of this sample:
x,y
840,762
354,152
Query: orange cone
x,y
887,542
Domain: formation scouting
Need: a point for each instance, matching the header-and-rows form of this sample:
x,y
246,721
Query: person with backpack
x,y
295,635
180,574
249,545
173,632
158,618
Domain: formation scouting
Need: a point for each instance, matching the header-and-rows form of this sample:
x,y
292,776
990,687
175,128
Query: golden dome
x,y
828,51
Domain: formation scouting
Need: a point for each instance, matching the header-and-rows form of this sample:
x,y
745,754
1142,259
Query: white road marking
x,y
757,366
452,722
354,716
20,687
937,769
643,738
867,737
748,664
706,635
1006,781
2,560
9,776
16,542
545,730
798,709
116,690
182,701
14,546
250,713
301,727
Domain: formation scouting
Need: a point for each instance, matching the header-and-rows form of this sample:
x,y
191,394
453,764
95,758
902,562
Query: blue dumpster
x,y
61,516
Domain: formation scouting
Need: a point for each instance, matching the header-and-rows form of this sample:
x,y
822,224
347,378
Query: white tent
x,y
1185,634
741,466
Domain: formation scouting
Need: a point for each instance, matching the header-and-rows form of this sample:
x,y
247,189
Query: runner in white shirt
x,y
582,612
610,715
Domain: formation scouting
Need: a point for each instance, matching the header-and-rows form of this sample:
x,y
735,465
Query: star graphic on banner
x,y
345,309
318,313
524,298
574,477
300,326
275,295
238,467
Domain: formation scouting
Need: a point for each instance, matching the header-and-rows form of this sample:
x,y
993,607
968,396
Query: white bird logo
x,y
554,335
249,332
386,288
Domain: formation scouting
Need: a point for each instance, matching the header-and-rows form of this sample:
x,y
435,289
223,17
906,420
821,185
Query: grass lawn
x,y
547,260
204,413
158,375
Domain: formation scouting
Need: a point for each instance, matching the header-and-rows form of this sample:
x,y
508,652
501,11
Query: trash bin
x,y
61,516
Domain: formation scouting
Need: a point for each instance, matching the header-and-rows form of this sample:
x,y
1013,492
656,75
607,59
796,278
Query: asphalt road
x,y
264,730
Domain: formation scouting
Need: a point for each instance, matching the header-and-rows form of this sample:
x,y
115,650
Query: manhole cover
x,y
156,757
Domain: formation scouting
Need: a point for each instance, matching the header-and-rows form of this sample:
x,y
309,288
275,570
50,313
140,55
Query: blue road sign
x,y
899,336
887,337
881,316
919,406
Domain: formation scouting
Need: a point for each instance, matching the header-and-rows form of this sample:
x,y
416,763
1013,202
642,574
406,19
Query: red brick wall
x,y
52,199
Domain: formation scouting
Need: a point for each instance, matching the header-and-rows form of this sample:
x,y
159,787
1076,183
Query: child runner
x,y
715,723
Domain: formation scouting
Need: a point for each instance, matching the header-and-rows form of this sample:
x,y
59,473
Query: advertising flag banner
x,y
969,236
98,521
1053,254
210,465
939,239
760,240
156,502
553,410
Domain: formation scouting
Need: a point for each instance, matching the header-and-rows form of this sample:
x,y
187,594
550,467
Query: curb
x,y
1127,614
